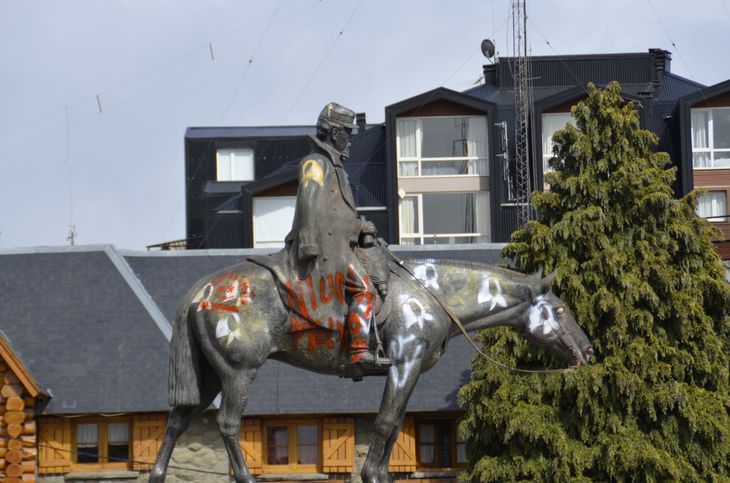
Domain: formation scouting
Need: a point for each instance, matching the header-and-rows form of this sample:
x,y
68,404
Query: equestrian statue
x,y
336,301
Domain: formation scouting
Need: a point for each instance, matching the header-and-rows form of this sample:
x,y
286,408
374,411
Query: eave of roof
x,y
19,369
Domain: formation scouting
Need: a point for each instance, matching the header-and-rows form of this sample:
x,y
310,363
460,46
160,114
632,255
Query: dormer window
x,y
234,164
551,123
442,146
711,137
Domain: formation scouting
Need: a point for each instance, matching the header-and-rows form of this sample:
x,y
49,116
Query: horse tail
x,y
184,379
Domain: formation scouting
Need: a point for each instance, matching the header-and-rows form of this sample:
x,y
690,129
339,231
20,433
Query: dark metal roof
x,y
248,132
673,87
569,70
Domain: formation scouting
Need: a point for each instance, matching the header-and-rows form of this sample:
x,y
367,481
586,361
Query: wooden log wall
x,y
18,449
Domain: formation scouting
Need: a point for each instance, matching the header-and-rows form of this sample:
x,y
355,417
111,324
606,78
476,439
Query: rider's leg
x,y
360,313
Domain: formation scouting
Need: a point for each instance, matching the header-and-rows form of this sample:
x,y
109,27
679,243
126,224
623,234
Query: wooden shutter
x,y
338,444
147,433
403,457
54,447
251,444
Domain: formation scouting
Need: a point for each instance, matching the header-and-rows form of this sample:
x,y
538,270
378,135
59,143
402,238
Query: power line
x,y
669,36
250,61
560,57
321,62
207,147
96,98
291,108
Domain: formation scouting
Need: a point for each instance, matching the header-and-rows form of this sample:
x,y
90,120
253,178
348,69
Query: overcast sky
x,y
117,175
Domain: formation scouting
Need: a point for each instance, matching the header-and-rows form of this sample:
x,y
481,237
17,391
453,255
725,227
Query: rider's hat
x,y
336,115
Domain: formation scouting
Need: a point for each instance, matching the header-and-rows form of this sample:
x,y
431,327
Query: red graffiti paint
x,y
227,292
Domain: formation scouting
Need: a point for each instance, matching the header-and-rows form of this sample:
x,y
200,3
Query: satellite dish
x,y
488,48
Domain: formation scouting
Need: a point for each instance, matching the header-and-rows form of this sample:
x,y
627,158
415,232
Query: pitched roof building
x,y
441,169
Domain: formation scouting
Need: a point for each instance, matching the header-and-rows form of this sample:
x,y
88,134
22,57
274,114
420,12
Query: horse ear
x,y
537,275
548,280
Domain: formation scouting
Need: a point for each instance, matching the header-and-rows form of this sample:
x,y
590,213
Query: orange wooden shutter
x,y
251,444
147,433
338,444
54,447
403,457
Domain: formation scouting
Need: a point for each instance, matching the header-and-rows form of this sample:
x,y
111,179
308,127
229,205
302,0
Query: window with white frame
x,y
272,219
442,146
711,137
712,206
444,217
234,164
551,123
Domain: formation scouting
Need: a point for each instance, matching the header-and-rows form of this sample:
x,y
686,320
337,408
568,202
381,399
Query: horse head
x,y
550,324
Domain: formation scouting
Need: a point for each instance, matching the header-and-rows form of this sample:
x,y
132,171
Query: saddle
x,y
300,295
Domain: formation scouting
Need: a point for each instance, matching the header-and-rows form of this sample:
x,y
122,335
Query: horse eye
x,y
560,310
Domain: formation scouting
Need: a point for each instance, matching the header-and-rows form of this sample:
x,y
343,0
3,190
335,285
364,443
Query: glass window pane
x,y
477,145
307,434
278,445
721,128
307,444
722,159
426,453
701,160
118,432
409,215
118,452
87,434
235,164
223,165
444,444
712,206
87,443
408,168
700,129
444,168
450,213
427,433
242,165
444,137
551,123
407,132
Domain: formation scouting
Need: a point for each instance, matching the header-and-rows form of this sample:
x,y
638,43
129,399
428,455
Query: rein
x,y
461,327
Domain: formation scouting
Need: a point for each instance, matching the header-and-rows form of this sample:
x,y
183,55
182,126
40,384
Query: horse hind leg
x,y
235,395
178,422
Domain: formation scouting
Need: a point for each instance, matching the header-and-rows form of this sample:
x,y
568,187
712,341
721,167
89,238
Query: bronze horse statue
x,y
230,322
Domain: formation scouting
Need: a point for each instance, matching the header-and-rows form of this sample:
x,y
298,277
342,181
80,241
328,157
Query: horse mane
x,y
464,264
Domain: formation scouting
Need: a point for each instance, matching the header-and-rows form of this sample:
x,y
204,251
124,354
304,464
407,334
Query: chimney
x,y
360,121
662,60
490,73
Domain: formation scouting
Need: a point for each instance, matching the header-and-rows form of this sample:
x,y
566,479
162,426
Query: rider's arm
x,y
311,181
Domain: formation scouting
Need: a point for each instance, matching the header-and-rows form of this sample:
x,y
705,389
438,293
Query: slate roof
x,y
82,330
91,325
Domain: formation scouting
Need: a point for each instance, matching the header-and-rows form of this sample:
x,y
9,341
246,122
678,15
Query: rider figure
x,y
326,229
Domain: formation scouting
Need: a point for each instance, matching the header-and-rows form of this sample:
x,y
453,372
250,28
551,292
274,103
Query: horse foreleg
x,y
402,379
177,422
235,394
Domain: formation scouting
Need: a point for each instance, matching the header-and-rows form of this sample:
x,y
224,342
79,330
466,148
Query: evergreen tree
x,y
638,271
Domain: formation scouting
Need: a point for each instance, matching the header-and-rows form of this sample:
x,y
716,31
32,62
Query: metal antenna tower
x,y
520,73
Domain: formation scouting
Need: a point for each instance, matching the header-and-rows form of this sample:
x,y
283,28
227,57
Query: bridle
x,y
560,331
